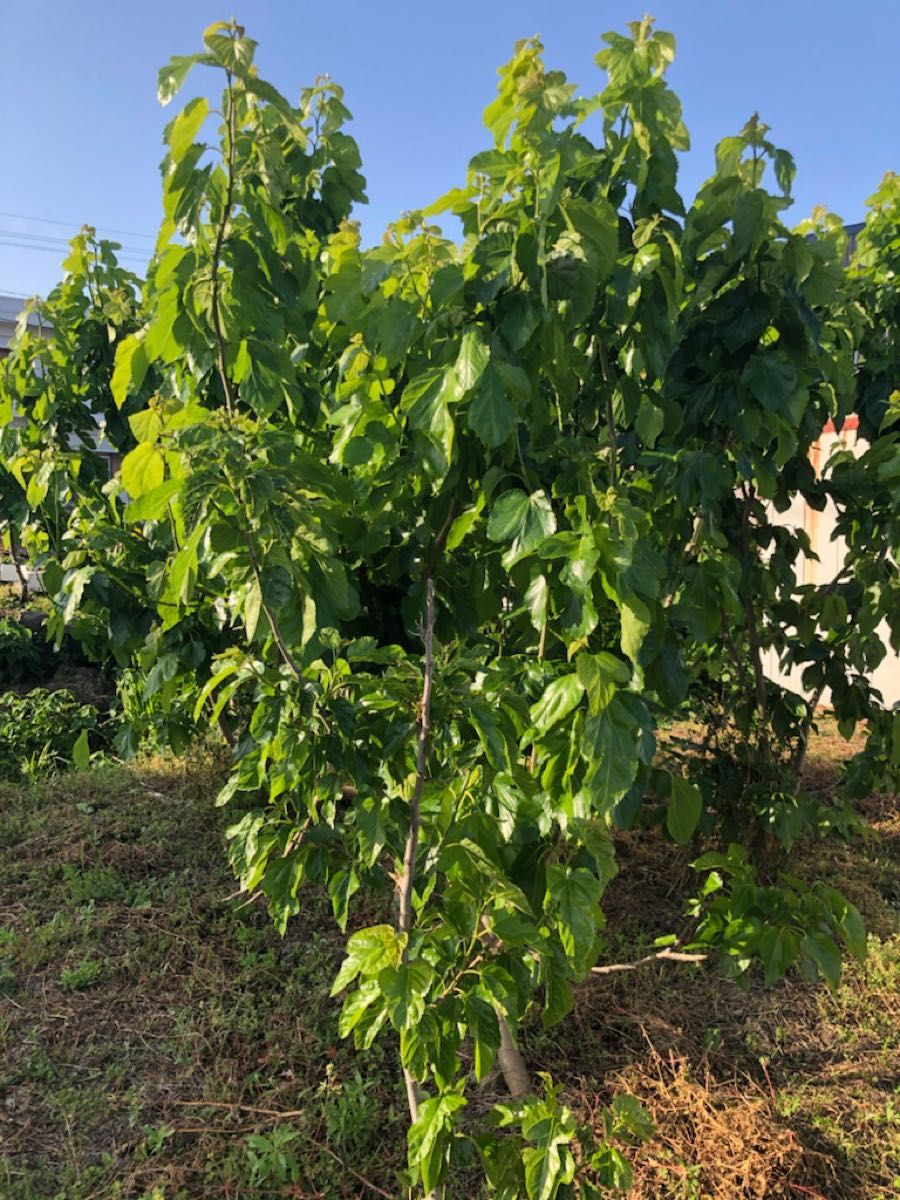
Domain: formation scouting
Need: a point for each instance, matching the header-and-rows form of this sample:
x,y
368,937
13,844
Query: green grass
x,y
158,1039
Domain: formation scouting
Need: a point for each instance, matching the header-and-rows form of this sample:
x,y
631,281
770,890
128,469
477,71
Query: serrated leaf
x,y
471,361
492,415
559,698
524,521
142,470
130,368
576,892
185,127
368,952
172,76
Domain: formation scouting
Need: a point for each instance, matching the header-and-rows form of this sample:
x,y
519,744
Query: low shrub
x,y
43,732
20,658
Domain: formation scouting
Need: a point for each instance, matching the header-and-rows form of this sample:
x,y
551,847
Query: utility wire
x,y
77,225
58,246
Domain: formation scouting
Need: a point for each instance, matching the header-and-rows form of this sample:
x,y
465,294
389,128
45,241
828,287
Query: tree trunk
x,y
511,1062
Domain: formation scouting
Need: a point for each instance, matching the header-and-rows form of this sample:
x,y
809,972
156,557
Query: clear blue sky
x,y
82,129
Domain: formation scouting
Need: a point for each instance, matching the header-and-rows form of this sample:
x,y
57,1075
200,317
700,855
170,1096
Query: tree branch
x,y
406,882
750,609
217,252
666,954
610,415
270,616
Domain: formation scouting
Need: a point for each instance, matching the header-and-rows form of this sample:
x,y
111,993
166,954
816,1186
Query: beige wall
x,y
831,551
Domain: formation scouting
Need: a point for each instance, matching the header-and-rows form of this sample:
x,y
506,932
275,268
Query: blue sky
x,y
82,128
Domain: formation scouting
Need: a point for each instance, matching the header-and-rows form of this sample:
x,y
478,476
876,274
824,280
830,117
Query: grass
x,y
159,1040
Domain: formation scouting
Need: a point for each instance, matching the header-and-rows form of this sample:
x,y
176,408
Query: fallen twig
x,y
667,954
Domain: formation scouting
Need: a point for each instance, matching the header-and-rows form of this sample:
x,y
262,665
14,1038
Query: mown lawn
x,y
158,1039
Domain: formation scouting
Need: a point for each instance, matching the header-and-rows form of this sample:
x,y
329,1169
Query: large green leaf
x,y
492,415
559,698
576,893
142,470
522,520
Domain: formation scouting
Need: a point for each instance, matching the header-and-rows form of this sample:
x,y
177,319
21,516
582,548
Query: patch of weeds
x,y
37,1068
351,1109
82,884
7,978
155,1137
270,1162
83,974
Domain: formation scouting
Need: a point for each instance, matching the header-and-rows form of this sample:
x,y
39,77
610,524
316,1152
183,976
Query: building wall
x,y
831,552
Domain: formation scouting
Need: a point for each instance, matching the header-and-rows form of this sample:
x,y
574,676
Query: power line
x,y
134,256
77,225
61,243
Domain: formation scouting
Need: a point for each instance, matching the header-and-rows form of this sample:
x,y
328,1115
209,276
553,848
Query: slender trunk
x,y
610,417
511,1062
799,760
750,611
23,578
406,882
509,1057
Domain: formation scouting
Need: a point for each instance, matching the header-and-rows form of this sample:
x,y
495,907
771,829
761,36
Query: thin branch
x,y
406,882
217,252
610,415
667,954
799,760
750,608
270,616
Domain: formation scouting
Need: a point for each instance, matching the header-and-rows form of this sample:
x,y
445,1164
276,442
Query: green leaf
x,y
536,601
342,886
610,748
484,1029
778,949
429,1138
355,1006
649,422
522,520
368,952
492,416
172,76
142,470
577,893
549,1164
558,700
252,607
490,734
770,378
81,751
601,675
185,127
685,807
130,369
153,504
471,361
403,988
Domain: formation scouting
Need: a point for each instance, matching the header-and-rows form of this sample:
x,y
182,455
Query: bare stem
x,y
217,252
750,610
610,415
667,954
406,882
270,616
23,578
